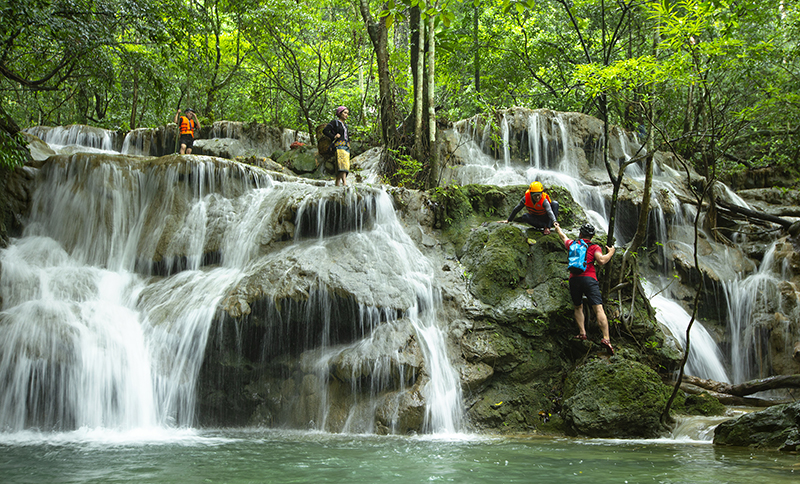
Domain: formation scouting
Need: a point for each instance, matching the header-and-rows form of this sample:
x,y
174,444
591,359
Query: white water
x,y
705,358
553,162
68,138
89,339
744,296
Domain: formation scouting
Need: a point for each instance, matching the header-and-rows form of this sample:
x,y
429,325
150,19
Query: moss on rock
x,y
614,397
703,404
496,258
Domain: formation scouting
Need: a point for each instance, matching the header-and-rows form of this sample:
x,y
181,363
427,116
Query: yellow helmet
x,y
536,187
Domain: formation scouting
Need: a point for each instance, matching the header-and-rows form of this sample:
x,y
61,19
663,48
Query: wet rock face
x,y
777,427
496,259
615,398
16,188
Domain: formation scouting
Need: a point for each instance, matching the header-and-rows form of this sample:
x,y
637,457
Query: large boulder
x,y
300,160
616,398
40,150
777,427
221,147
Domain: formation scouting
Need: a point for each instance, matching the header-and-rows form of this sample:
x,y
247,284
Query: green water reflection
x,y
237,456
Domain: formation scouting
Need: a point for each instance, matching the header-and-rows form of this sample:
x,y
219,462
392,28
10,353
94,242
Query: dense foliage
x,y
714,80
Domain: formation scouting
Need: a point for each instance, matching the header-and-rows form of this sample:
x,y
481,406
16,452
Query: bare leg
x,y
579,319
602,321
183,149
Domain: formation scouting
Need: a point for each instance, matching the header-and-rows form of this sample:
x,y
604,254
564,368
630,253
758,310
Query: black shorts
x,y
539,221
584,286
187,139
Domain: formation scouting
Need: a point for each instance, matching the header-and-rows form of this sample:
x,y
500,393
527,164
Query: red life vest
x,y
538,207
187,126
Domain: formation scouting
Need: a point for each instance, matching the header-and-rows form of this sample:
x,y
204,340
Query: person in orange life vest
x,y
542,212
187,125
585,283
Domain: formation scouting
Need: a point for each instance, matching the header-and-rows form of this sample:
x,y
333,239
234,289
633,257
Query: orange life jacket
x,y
187,125
538,207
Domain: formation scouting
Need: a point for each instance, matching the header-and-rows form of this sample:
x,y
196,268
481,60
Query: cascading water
x,y
77,135
743,296
705,358
553,163
111,296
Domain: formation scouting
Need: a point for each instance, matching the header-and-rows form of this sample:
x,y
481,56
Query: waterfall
x,y
535,142
705,358
97,140
139,142
226,129
744,296
504,137
379,236
556,160
112,294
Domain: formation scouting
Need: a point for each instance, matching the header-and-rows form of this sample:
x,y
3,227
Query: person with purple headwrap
x,y
337,131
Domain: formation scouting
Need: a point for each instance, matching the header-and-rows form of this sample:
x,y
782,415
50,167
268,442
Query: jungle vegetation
x,y
713,80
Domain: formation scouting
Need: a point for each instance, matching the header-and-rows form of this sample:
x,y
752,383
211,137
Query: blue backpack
x,y
576,263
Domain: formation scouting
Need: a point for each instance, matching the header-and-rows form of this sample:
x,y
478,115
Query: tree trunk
x,y
134,98
748,387
378,35
419,66
7,123
753,214
433,176
644,209
727,399
476,12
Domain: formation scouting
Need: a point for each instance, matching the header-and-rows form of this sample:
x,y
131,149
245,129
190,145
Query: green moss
x,y
703,404
515,409
451,204
614,398
497,258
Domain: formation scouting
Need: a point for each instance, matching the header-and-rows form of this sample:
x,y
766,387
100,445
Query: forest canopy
x,y
712,78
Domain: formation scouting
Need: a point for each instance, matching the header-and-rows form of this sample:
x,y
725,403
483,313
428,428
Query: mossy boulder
x,y
300,160
495,257
703,404
616,398
777,427
451,206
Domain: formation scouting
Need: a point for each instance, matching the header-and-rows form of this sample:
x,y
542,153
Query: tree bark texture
x,y
419,66
378,35
753,214
748,387
434,161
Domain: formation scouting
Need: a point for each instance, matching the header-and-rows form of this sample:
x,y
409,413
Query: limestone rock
x,y
221,147
301,160
776,427
40,150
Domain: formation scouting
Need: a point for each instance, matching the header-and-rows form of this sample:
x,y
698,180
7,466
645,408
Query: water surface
x,y
269,456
